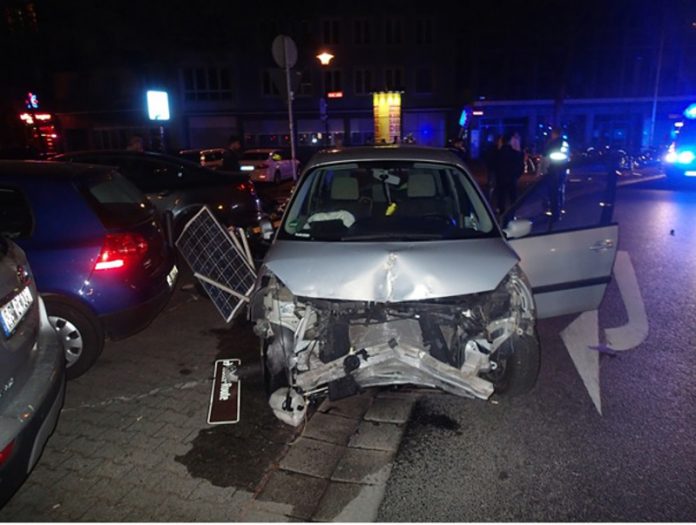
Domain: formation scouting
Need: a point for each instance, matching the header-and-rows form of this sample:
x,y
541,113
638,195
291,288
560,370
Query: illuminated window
x,y
211,83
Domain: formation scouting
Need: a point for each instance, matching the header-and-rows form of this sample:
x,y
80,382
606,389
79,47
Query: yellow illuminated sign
x,y
387,114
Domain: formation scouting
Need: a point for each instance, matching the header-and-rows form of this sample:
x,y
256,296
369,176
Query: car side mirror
x,y
266,229
518,228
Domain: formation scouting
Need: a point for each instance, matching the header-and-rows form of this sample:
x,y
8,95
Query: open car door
x,y
569,254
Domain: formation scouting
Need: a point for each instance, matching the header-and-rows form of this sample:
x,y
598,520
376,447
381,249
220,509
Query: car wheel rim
x,y
70,337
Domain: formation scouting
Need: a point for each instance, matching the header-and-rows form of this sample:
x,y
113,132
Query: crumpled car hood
x,y
390,271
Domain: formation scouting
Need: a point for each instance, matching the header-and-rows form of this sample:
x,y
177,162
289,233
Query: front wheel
x,y
516,366
81,336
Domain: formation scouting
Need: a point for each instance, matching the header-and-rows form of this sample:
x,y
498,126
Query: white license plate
x,y
14,311
172,275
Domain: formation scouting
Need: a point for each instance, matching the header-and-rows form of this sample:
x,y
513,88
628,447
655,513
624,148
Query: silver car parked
x,y
32,371
389,268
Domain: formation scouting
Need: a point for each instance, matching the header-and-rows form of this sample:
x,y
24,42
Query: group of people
x,y
505,164
505,167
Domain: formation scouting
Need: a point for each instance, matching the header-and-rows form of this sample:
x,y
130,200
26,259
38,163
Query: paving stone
x,y
364,466
377,436
353,407
347,502
311,457
217,512
262,516
388,410
207,492
173,508
330,428
300,492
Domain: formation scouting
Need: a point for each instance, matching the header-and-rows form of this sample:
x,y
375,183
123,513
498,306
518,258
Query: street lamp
x,y
325,59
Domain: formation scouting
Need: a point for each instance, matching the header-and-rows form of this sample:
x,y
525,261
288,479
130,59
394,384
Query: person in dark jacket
x,y
232,155
509,167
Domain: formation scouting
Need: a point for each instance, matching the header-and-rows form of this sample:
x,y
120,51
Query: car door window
x,y
584,200
15,214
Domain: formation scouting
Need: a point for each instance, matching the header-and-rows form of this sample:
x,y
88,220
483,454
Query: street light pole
x,y
653,117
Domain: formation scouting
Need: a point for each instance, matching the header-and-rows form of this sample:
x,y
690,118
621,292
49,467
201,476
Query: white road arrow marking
x,y
581,337
578,336
633,333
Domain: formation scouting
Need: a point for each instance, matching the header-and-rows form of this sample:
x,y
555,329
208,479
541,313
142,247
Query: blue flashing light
x,y
158,105
690,112
464,118
685,157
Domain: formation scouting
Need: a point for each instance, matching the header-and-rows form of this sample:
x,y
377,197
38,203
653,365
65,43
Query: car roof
x,y
152,155
394,152
262,150
42,168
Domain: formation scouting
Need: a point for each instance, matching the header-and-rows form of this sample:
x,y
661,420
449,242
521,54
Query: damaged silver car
x,y
389,268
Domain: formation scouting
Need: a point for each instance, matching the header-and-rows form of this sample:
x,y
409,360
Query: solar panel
x,y
219,260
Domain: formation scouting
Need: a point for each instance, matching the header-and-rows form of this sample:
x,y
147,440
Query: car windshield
x,y
256,155
387,200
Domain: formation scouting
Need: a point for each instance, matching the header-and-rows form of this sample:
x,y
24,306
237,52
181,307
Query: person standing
x,y
554,165
509,167
232,155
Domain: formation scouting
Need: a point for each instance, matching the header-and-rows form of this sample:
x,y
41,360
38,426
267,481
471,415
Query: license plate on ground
x,y
172,275
225,398
15,310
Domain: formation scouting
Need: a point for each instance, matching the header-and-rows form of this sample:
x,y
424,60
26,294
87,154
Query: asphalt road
x,y
549,455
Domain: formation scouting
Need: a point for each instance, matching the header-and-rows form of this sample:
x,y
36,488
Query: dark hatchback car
x,y
182,186
97,248
32,371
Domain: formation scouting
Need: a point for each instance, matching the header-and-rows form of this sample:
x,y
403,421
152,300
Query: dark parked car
x,y
97,247
32,371
181,186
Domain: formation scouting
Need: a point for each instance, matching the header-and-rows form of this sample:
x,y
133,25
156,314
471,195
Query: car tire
x,y
276,177
271,381
81,335
518,366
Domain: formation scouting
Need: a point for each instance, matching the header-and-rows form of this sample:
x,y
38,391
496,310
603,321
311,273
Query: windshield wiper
x,y
396,237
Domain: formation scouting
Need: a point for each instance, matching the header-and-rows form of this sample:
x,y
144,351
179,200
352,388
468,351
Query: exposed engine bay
x,y
462,345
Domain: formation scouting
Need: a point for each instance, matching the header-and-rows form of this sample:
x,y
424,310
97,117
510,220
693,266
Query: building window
x,y
424,31
424,80
207,83
330,31
361,32
21,18
332,80
394,31
362,81
394,78
268,87
305,87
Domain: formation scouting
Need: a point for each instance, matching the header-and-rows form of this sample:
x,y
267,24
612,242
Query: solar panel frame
x,y
210,251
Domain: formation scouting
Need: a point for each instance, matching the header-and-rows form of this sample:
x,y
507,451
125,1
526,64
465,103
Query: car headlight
x,y
685,157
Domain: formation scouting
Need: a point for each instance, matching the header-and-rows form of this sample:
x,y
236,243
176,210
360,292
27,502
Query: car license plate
x,y
225,398
14,311
172,275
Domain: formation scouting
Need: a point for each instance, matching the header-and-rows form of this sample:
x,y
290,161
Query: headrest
x,y
344,189
421,185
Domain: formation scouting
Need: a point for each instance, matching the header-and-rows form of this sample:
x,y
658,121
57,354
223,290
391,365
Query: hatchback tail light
x,y
121,250
6,452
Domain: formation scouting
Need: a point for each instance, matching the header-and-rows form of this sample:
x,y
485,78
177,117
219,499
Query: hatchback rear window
x,y
115,200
